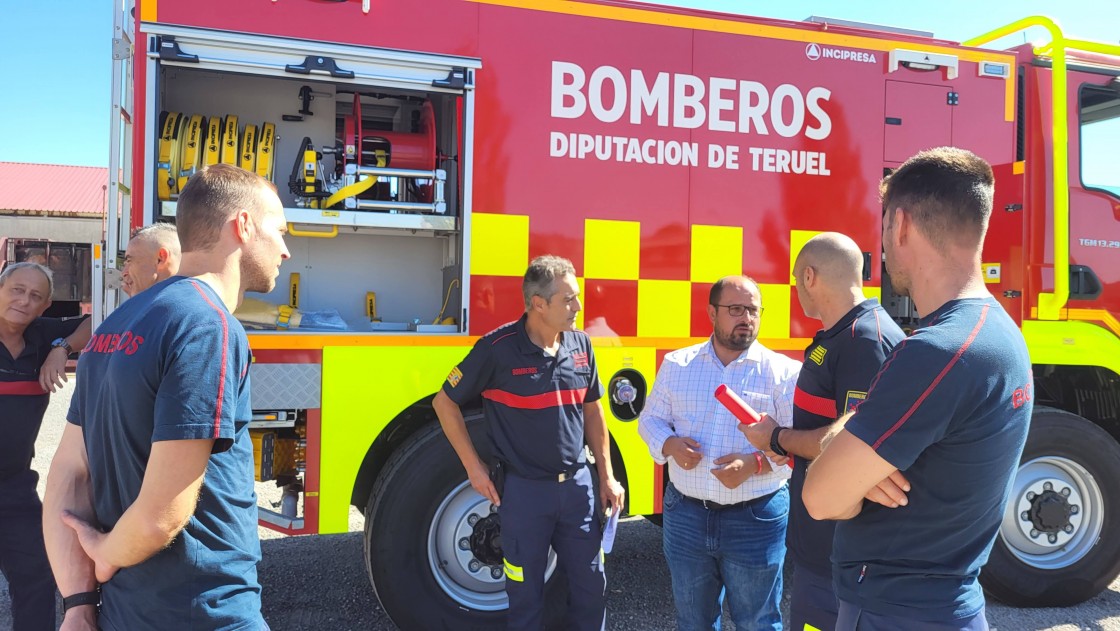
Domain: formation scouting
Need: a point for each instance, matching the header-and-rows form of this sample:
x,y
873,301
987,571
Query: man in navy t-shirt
x,y
950,408
151,491
840,363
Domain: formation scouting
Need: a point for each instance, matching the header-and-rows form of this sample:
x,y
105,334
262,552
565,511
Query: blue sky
x,y
55,71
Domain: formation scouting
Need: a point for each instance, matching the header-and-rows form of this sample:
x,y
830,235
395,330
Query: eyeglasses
x,y
738,310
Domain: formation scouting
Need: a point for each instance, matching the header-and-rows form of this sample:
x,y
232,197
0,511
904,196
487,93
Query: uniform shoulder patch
x,y
854,398
817,355
455,376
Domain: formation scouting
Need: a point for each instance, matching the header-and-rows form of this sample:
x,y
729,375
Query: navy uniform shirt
x,y
171,363
838,369
950,409
533,401
22,400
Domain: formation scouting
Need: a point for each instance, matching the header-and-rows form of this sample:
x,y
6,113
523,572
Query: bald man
x,y
152,255
856,336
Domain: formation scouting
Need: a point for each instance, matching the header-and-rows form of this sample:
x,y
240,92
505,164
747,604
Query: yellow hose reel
x,y
188,142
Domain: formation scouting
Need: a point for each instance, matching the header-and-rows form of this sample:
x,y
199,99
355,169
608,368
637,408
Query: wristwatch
x,y
62,343
84,598
776,446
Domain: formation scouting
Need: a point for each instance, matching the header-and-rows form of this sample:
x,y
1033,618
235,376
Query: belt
x,y
716,506
563,476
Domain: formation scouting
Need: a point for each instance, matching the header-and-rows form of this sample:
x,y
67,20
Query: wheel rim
x,y
461,576
1055,513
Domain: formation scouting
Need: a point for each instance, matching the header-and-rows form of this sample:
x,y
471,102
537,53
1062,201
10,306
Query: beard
x,y
738,339
257,277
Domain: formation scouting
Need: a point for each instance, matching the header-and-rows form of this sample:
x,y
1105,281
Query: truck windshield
x,y
1100,138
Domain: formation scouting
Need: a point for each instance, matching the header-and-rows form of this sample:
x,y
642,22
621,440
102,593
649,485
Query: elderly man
x,y
152,255
726,505
28,342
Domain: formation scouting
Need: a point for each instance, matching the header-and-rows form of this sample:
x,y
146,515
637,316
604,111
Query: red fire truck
x,y
425,151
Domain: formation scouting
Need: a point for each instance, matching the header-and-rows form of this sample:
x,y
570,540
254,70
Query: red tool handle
x,y
742,411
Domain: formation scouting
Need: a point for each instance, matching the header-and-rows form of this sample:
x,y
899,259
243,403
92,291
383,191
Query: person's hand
x,y
684,451
480,481
80,619
775,459
52,375
891,491
612,494
759,433
92,541
733,469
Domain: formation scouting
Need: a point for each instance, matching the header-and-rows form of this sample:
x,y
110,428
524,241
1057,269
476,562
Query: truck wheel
x,y
432,551
1058,543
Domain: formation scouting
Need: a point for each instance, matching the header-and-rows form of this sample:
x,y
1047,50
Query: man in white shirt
x,y
726,505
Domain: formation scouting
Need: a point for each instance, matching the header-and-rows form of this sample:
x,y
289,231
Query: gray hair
x,y
541,277
161,235
43,269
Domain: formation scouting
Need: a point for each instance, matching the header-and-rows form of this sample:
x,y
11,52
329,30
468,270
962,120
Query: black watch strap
x,y
776,446
84,598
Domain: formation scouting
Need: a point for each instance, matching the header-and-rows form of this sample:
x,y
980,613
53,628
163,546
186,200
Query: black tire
x,y
399,516
1085,564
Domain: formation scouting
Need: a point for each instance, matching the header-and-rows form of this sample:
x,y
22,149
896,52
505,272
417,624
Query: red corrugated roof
x,y
52,188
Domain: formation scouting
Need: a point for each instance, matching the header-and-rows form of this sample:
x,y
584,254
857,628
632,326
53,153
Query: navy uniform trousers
x,y
537,514
23,557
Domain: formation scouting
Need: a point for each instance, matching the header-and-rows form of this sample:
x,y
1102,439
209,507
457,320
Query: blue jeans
x,y
736,552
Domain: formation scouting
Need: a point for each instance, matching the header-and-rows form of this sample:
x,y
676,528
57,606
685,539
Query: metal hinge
x,y
1011,208
122,49
953,98
1011,293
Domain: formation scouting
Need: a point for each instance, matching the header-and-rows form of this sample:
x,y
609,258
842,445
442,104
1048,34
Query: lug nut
x,y
1066,491
1030,496
472,520
1068,529
1053,538
474,565
1034,534
1048,486
495,573
1025,516
464,544
1074,509
493,508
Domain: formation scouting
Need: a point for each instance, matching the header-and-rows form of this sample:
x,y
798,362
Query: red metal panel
x,y
700,324
437,26
514,130
610,307
1004,242
925,119
495,300
294,356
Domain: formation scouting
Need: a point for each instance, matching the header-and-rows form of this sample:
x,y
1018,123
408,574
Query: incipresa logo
x,y
816,51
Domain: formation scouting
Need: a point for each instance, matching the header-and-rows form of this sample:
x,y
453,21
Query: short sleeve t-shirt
x,y
950,409
533,401
172,363
837,373
22,400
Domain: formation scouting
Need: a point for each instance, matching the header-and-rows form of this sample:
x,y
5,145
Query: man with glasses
x,y
726,504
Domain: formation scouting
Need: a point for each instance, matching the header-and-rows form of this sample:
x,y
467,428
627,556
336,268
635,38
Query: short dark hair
x,y
540,277
946,191
717,288
210,198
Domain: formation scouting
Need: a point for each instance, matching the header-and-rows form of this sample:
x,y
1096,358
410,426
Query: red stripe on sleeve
x,y
821,406
541,401
21,388
937,380
225,350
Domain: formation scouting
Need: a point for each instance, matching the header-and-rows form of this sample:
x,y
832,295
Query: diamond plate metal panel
x,y
286,386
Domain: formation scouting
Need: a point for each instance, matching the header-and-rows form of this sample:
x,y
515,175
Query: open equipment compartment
x,y
368,149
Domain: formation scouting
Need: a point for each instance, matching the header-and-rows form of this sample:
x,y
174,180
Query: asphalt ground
x,y
320,582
